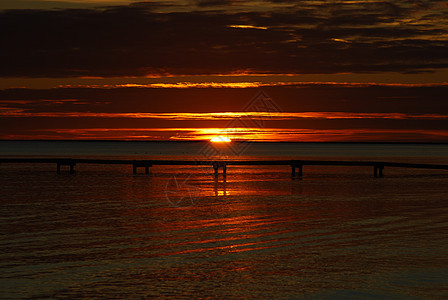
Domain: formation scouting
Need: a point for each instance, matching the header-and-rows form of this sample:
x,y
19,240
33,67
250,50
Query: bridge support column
x,y
293,171
141,164
68,162
378,171
220,164
216,170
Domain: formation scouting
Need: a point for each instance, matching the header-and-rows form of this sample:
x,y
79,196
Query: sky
x,y
276,70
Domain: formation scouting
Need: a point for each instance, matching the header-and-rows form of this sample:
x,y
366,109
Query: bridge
x,y
296,165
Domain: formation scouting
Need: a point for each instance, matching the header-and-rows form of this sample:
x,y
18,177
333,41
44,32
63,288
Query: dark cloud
x,y
93,112
359,98
135,40
207,3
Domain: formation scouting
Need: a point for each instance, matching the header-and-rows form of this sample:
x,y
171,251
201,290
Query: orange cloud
x,y
248,84
241,134
14,112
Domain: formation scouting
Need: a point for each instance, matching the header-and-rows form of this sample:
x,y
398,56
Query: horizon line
x,y
233,141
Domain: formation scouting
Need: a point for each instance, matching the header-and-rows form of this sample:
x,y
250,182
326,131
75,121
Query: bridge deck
x,y
377,165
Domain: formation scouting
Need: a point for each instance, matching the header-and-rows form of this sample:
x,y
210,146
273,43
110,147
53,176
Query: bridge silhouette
x,y
296,165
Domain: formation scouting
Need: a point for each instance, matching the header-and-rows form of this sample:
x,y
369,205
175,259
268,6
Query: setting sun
x,y
220,139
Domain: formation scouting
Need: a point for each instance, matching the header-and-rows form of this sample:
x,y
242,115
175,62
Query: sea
x,y
257,233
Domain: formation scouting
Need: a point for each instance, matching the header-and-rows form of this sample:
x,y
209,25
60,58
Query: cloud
x,y
17,109
244,134
144,39
368,111
291,97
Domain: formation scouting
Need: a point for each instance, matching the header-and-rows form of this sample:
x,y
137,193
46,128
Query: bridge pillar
x,y
293,170
67,162
215,167
220,164
378,171
140,164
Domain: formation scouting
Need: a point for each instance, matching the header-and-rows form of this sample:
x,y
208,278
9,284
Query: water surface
x,y
179,232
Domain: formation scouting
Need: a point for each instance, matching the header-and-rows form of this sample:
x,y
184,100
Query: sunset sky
x,y
274,70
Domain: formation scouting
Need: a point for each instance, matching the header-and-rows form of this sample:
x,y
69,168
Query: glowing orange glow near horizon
x,y
238,134
220,139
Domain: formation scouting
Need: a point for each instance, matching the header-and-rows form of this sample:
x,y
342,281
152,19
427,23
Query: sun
x,y
220,139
